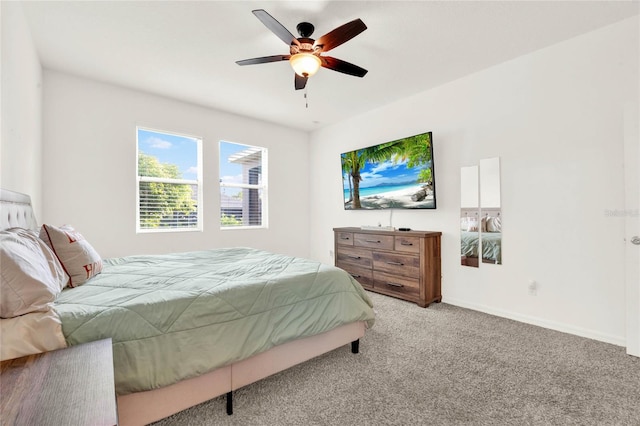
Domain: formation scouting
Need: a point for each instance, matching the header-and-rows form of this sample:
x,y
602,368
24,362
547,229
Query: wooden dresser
x,y
396,263
72,386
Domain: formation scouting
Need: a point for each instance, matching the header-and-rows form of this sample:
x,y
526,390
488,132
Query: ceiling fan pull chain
x,y
306,98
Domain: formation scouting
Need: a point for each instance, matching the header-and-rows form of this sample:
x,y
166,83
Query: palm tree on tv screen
x,y
416,150
347,161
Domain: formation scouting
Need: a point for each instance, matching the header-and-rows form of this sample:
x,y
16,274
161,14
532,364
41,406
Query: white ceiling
x,y
187,50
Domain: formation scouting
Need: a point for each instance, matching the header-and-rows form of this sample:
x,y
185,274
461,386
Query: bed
x,y
188,327
491,247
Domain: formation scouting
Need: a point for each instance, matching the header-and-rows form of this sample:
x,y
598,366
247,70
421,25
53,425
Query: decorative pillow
x,y
463,224
31,276
472,223
78,258
494,224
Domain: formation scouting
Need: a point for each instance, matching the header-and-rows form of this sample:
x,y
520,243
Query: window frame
x,y
263,187
197,182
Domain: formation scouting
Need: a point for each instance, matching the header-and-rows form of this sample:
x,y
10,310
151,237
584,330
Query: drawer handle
x,y
395,263
404,243
344,238
356,275
373,241
395,284
355,257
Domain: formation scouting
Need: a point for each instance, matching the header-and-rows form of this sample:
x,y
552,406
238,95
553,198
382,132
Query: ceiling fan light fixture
x,y
305,64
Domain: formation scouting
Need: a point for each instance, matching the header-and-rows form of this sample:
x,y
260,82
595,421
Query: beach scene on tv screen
x,y
396,174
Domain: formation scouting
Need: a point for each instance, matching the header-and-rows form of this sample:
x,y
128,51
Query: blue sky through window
x,y
171,148
183,151
230,172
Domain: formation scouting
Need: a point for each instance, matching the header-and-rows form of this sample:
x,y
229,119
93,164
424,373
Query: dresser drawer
x,y
344,238
388,283
363,275
384,242
407,244
406,265
354,256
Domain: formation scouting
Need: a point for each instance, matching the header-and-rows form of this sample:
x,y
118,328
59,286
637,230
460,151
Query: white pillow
x,y
472,224
30,334
31,276
494,224
78,258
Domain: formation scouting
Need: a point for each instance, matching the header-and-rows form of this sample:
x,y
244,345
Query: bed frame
x,y
145,407
141,408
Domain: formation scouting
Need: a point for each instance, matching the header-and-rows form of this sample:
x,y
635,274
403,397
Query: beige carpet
x,y
443,365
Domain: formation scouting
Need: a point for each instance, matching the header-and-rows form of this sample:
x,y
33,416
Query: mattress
x,y
177,316
491,245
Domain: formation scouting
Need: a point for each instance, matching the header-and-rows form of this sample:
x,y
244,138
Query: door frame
x,y
632,225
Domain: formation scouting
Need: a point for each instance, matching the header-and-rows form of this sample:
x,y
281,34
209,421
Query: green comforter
x,y
491,245
180,315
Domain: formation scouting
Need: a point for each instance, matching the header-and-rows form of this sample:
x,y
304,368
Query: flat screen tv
x,y
391,175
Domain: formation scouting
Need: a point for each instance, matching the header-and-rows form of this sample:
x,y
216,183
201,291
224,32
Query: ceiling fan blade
x,y
340,35
342,66
300,82
276,27
264,60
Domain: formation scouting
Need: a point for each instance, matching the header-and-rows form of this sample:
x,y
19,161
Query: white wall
x,y
21,118
89,171
555,118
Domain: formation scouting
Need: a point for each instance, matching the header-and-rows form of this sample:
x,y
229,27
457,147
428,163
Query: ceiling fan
x,y
305,52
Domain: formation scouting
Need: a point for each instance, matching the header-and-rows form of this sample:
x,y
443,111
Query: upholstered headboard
x,y
16,211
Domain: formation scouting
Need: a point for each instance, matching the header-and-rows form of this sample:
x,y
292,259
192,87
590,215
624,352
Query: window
x,y
243,186
169,196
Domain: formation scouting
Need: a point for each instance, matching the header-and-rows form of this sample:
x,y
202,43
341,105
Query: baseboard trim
x,y
552,325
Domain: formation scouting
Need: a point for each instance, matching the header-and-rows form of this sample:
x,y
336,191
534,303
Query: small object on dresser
x,y
377,228
404,229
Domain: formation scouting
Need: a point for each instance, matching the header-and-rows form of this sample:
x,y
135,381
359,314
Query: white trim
x,y
164,230
155,129
632,226
527,319
167,180
240,185
235,228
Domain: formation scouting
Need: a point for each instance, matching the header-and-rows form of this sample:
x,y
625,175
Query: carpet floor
x,y
443,365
